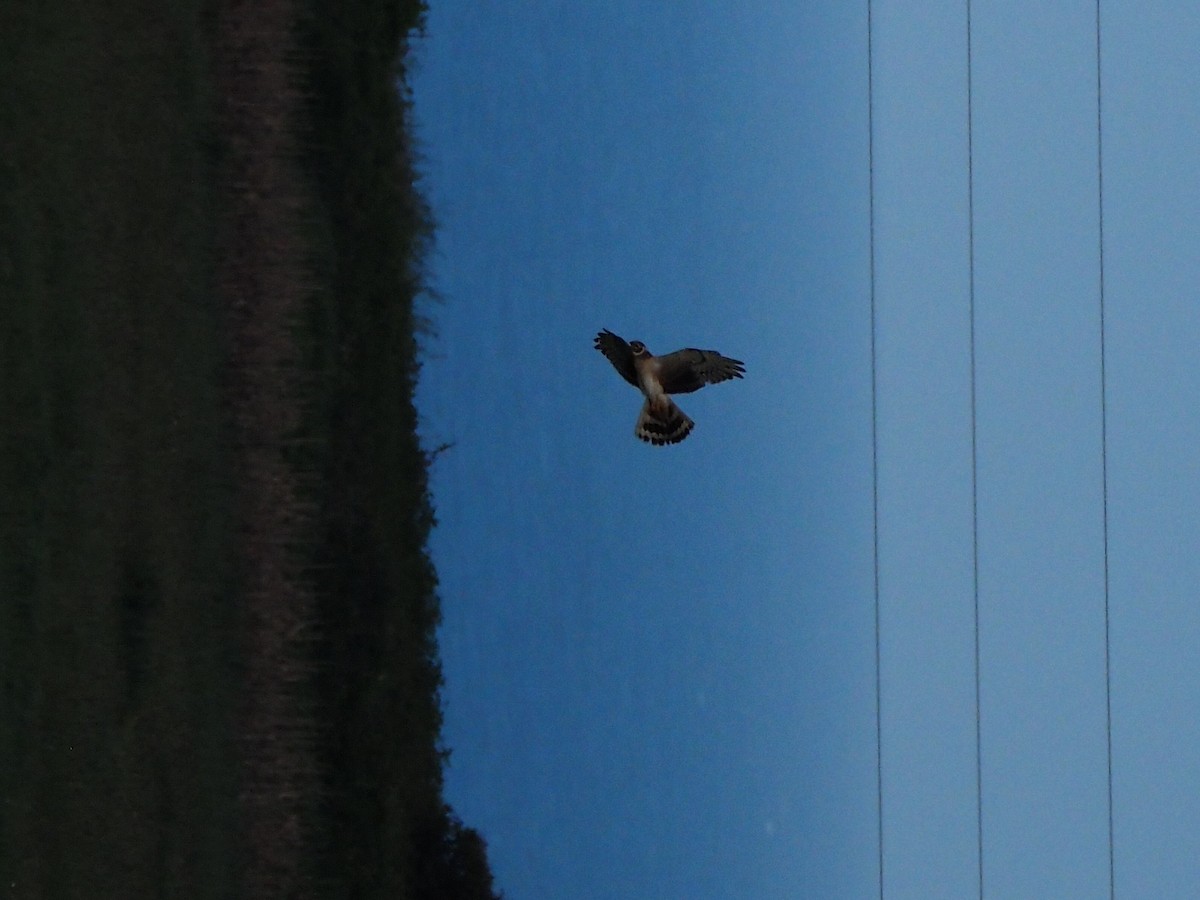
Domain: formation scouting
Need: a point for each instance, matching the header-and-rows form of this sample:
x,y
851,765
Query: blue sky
x,y
660,662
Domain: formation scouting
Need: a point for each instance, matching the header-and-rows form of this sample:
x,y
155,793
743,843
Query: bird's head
x,y
638,348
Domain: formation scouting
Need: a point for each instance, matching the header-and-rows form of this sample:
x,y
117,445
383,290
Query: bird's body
x,y
661,421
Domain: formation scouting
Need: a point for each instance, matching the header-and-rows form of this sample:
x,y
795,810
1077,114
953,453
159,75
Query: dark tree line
x,y
218,667
387,826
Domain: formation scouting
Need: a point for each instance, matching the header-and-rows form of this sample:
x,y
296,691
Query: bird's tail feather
x,y
661,424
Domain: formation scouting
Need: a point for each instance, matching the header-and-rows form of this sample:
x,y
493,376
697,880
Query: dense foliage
x,y
379,609
218,663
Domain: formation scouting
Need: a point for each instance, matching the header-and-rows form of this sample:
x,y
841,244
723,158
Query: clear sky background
x,y
660,662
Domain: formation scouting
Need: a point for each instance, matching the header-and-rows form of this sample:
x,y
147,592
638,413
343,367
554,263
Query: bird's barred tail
x,y
662,424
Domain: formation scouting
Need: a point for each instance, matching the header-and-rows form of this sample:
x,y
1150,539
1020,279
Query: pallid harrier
x,y
661,421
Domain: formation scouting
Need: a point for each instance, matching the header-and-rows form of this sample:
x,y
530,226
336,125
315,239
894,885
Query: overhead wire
x,y
974,450
974,456
874,439
1104,454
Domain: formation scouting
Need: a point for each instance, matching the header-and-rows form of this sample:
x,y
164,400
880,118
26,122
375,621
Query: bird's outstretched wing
x,y
618,353
689,370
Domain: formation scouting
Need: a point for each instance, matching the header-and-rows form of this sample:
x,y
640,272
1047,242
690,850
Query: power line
x,y
1112,888
874,439
974,457
974,449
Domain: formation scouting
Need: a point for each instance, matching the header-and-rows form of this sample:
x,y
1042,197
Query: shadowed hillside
x,y
217,657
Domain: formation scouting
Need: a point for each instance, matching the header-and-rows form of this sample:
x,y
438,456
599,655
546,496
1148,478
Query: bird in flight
x,y
661,421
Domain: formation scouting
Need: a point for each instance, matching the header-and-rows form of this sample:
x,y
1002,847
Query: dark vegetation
x,y
218,674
